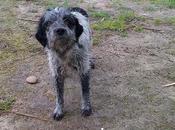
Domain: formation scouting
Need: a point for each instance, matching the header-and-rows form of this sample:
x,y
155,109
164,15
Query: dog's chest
x,y
70,64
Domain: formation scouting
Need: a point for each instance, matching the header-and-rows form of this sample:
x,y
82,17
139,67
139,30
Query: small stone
x,y
31,80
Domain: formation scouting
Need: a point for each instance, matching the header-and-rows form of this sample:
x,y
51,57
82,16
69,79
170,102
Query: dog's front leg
x,y
86,105
59,85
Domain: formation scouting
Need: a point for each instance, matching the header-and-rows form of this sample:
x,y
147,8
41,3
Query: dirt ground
x,y
127,90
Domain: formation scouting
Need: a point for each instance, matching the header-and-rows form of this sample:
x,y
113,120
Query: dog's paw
x,y
57,116
86,112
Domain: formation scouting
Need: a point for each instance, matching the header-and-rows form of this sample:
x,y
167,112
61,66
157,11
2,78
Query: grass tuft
x,y
97,38
168,21
7,104
168,3
138,29
99,14
115,24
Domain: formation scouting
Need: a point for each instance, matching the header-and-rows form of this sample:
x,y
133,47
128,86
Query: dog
x,y
66,36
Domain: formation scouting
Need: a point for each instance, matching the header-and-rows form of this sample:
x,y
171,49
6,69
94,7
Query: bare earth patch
x,y
126,87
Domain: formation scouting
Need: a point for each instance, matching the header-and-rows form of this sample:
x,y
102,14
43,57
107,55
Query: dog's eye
x,y
69,22
47,24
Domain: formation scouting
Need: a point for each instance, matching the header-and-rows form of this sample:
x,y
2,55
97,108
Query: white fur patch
x,y
53,61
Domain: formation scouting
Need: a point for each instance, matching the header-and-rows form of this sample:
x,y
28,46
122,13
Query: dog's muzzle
x,y
60,32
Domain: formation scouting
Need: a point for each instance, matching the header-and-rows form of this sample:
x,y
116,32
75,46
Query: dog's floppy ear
x,y
41,32
78,29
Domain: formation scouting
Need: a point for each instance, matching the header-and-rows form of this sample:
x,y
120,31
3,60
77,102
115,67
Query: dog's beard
x,y
62,45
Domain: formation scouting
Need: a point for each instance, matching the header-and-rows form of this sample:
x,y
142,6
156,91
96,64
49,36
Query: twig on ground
x,y
146,28
27,115
31,20
168,85
152,29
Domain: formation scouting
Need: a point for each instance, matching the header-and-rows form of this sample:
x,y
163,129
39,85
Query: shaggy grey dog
x,y
65,34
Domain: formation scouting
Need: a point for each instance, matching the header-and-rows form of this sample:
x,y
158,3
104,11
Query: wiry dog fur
x,y
65,34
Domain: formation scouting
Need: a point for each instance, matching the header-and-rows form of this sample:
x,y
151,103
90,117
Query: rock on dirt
x,y
31,79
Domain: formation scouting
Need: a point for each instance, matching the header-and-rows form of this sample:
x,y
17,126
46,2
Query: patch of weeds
x,y
56,3
157,22
141,18
168,21
47,3
8,19
15,40
99,14
111,24
50,3
115,24
150,8
6,105
138,29
116,3
127,15
165,126
96,38
167,3
4,55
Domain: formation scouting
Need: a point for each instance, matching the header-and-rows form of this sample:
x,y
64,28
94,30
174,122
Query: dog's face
x,y
58,29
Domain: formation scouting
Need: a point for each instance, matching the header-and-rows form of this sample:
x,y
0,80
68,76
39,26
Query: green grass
x,y
111,24
138,29
150,8
7,104
96,38
115,24
168,3
168,21
98,14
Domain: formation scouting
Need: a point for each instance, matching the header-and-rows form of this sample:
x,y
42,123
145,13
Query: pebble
x,y
31,79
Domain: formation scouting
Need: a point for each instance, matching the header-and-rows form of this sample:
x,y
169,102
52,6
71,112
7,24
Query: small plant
x,y
6,105
99,14
168,3
168,21
138,29
97,38
111,24
150,8
118,24
157,21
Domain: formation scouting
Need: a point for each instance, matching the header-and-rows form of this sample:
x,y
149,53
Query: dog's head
x,y
58,29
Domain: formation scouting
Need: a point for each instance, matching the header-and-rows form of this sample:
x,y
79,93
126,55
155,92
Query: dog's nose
x,y
60,31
